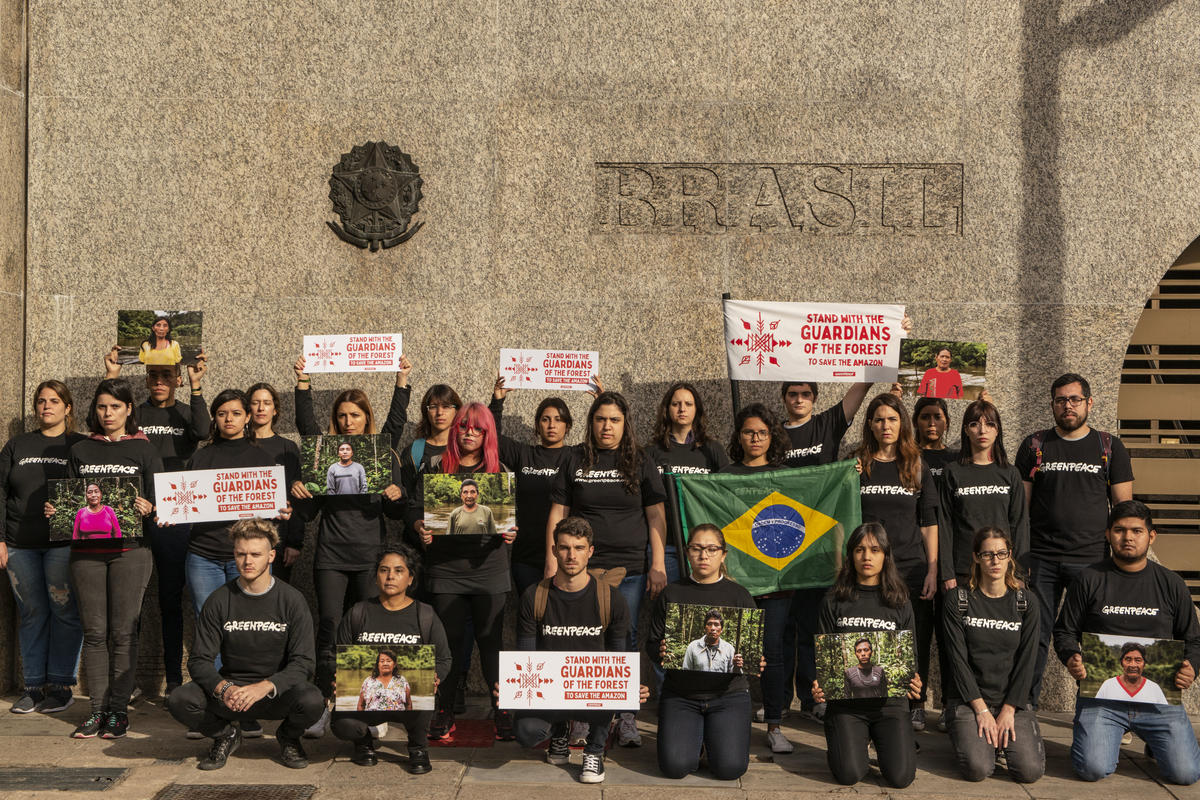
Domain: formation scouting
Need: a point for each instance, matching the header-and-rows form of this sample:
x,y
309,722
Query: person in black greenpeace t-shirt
x,y
537,467
1070,473
393,618
264,414
868,595
1129,595
815,438
702,710
991,633
565,612
261,629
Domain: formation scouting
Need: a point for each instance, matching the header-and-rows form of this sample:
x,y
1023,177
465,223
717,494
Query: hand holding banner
x,y
557,370
216,495
838,342
569,680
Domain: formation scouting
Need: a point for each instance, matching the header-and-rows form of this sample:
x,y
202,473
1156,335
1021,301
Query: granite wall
x,y
180,158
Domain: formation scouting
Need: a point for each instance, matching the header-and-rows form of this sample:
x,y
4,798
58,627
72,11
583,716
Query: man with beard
x,y
1132,685
1071,473
1129,595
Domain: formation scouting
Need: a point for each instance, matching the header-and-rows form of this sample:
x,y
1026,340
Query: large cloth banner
x,y
353,352
822,342
568,680
216,495
784,529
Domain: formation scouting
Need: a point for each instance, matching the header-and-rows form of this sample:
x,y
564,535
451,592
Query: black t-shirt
x,y
536,468
683,459
27,462
817,441
616,515
1068,509
211,539
975,496
285,453
738,468
176,430
467,563
131,457
572,621
993,646
258,637
368,622
1151,603
937,460
902,512
863,613
690,683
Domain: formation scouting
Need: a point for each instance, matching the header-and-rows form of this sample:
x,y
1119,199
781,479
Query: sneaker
x,y
504,726
579,733
593,768
943,723
317,729
559,751
627,736
760,715
918,719
28,702
778,742
1127,738
191,734
442,724
115,726
91,726
378,731
364,753
418,761
222,748
291,753
251,729
59,698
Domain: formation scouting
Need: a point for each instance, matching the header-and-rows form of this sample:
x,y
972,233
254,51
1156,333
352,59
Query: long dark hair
x,y
891,588
908,455
390,654
559,405
120,389
441,394
923,403
227,396
629,455
778,448
152,339
64,394
662,425
269,389
982,409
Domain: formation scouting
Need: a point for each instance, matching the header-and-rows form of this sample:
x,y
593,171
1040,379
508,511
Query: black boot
x,y
418,761
364,752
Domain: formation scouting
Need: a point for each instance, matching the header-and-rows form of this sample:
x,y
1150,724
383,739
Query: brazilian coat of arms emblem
x,y
375,190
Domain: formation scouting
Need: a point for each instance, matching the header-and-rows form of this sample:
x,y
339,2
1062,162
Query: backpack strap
x,y
1036,442
1022,602
424,622
1106,454
962,601
604,604
541,596
417,451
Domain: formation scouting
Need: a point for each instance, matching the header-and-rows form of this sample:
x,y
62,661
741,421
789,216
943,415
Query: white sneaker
x,y
378,731
579,733
778,742
760,715
627,735
317,729
593,768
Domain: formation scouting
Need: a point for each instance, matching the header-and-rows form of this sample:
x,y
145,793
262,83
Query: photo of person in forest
x,y
341,464
159,338
712,638
941,369
94,508
1131,670
856,666
469,503
471,517
384,678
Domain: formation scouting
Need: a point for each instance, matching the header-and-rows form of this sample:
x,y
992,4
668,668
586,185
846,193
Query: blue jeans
x,y
205,576
633,589
721,724
779,649
1049,579
1099,725
50,632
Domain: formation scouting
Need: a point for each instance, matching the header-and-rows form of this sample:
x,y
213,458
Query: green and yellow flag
x,y
785,529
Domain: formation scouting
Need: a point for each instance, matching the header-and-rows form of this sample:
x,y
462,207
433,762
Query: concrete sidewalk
x,y
156,755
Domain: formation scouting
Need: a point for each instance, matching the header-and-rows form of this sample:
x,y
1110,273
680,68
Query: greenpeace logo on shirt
x,y
965,491
866,622
1130,611
1070,466
991,624
571,630
549,472
107,469
161,430
388,638
685,470
801,452
59,462
936,471
886,489
598,476
255,625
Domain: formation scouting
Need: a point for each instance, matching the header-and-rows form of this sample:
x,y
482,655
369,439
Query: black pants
x,y
353,729
169,547
849,725
721,725
486,614
534,727
336,590
298,708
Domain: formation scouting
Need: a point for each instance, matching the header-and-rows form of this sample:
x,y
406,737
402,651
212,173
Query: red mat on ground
x,y
468,733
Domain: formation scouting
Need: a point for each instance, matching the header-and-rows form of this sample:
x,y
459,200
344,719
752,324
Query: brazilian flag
x,y
785,529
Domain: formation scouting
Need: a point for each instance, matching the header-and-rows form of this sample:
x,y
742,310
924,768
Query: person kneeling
x,y
262,631
570,612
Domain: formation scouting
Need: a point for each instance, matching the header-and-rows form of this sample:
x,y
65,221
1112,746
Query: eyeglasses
x,y
467,427
711,550
433,408
756,435
1074,400
993,555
